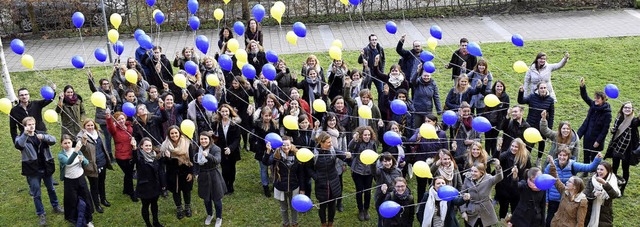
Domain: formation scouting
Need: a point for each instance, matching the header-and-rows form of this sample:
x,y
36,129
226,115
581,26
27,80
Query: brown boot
x,y
324,224
294,225
330,224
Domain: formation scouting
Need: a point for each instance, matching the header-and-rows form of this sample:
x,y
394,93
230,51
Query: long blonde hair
x,y
481,159
522,156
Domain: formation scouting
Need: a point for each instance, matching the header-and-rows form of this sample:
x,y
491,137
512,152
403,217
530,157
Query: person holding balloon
x,y
461,61
118,78
601,189
312,88
394,81
263,88
572,208
367,58
475,154
358,82
209,67
530,211
148,187
132,63
29,108
393,144
425,95
538,102
322,169
402,196
338,71
224,36
200,116
256,56
564,137
540,71
446,168
304,137
237,96
294,94
134,83
436,211
121,130
94,149
153,100
404,120
174,110
227,133
112,101
463,92
624,141
496,115
464,135
211,186
479,73
512,127
76,193
479,210
228,62
364,101
426,148
71,109
161,70
288,180
518,160
385,171
595,126
364,138
409,59
187,54
254,33
177,151
148,125
286,81
264,125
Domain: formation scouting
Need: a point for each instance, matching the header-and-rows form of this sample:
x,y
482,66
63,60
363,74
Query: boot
x,y
366,215
330,224
157,224
294,225
105,203
187,210
360,215
179,214
340,206
267,193
324,224
99,209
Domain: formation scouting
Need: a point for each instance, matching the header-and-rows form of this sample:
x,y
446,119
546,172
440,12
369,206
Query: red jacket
x,y
122,139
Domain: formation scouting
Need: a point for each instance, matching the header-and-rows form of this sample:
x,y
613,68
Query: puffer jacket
x,y
30,163
537,104
426,95
356,148
122,139
288,171
564,173
596,124
455,99
323,171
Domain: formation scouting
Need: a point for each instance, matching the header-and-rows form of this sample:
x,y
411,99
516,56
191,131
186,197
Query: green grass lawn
x,y
600,61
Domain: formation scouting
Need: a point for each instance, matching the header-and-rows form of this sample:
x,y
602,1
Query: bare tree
x,y
6,78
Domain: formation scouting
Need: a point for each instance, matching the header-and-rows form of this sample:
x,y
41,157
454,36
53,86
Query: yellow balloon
x,y
98,99
233,45
422,170
432,43
280,5
242,55
520,67
290,122
337,43
345,2
428,131
368,157
292,37
131,75
532,135
491,100
218,14
50,116
5,105
304,155
113,35
213,80
180,80
276,13
116,20
240,64
226,1
188,128
364,112
335,53
27,61
319,106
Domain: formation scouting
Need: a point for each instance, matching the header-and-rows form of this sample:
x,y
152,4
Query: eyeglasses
x,y
105,84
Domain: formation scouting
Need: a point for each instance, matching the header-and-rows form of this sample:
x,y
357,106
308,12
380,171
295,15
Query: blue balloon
x,y
392,138
429,67
426,56
193,6
100,54
225,62
258,12
194,23
151,2
210,103
436,32
249,71
517,40
78,19
202,43
544,181
77,62
398,107
118,47
481,124
129,109
355,2
449,117
474,49
389,209
300,29
391,27
191,67
269,72
272,56
145,42
612,91
274,139
159,17
17,46
238,27
301,203
447,193
138,33
47,93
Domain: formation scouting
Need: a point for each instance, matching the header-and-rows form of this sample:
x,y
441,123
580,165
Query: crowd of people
x,y
151,145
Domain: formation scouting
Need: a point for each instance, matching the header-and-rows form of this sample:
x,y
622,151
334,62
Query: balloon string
x,y
317,205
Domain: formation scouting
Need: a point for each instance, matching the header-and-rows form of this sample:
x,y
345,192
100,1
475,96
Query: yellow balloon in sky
x,y
218,14
27,61
233,45
226,1
368,157
5,105
280,5
98,99
113,35
242,55
50,116
532,135
422,170
304,155
180,80
188,128
213,80
290,122
520,67
319,106
116,20
292,37
491,100
432,43
428,131
131,75
276,13
337,43
364,112
335,53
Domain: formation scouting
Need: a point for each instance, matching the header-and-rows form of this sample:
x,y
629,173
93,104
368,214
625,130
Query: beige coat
x,y
572,211
480,206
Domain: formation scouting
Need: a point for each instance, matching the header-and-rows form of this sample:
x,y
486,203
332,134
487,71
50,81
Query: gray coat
x,y
356,148
210,182
480,206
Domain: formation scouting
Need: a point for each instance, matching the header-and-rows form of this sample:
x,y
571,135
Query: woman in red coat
x,y
121,132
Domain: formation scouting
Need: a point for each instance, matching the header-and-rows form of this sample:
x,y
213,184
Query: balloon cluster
x,y
277,10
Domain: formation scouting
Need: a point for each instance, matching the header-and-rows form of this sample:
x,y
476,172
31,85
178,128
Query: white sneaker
x,y
218,222
208,220
90,224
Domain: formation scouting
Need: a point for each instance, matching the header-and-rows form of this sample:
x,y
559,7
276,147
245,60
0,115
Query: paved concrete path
x,y
57,53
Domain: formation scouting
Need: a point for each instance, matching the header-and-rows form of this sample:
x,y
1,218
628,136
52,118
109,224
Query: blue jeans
x,y
34,191
107,141
264,174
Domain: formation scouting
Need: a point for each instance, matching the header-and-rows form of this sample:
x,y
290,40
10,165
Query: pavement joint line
x,y
506,35
327,35
633,13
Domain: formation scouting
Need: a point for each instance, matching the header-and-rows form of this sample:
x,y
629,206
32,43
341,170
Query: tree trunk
x,y
6,78
246,14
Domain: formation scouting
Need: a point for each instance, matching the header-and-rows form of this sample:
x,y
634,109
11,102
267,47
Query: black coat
x,y
288,171
531,206
152,128
537,104
231,140
259,61
286,82
404,218
259,145
450,220
596,125
323,171
176,174
506,190
511,129
148,185
633,143
34,109
210,182
456,61
158,77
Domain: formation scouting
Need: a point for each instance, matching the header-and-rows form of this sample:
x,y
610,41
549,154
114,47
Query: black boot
x,y
187,210
105,203
179,214
267,193
340,206
99,209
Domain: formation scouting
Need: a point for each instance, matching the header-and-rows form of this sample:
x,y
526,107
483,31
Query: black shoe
x,y
366,215
267,193
99,209
340,207
134,198
157,224
179,214
360,215
55,182
105,203
165,193
187,210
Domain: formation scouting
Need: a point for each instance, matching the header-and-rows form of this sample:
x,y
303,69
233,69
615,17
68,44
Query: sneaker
x,y
55,183
43,219
90,224
218,222
208,220
58,210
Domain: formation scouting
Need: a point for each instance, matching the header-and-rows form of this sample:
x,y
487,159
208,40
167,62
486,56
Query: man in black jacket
x,y
369,54
461,61
26,108
410,59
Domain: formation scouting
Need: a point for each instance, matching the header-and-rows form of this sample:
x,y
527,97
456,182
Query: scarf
x,y
624,125
429,207
200,158
71,100
363,121
93,135
601,196
355,87
446,172
314,89
180,152
334,134
467,122
402,196
294,112
532,185
149,156
396,81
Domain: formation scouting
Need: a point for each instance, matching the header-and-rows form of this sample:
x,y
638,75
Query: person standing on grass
x,y
77,198
425,96
263,126
624,141
364,138
148,187
530,209
601,189
512,127
496,115
434,211
38,165
94,149
461,61
478,210
595,126
125,145
426,148
565,136
540,71
409,59
385,171
211,186
401,195
479,73
227,132
288,181
177,151
538,102
572,209
112,98
517,160
71,110
367,59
